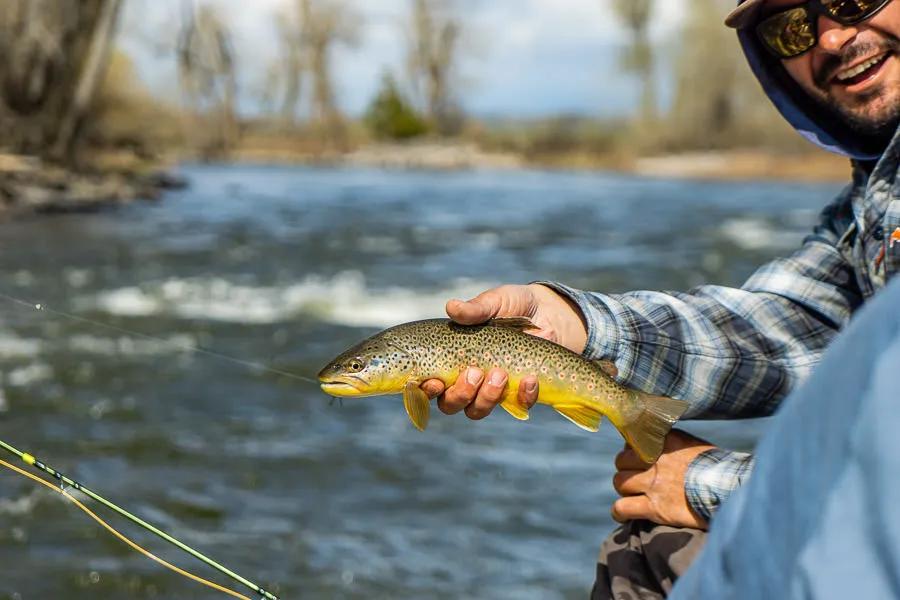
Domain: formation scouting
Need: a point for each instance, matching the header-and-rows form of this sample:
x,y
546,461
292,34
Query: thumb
x,y
479,309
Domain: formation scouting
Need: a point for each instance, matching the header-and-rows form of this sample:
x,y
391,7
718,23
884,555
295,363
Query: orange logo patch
x,y
895,237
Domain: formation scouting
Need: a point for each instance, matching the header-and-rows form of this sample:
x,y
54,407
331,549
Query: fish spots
x,y
562,375
591,386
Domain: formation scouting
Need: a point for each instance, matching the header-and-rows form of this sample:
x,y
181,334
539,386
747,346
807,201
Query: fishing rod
x,y
64,480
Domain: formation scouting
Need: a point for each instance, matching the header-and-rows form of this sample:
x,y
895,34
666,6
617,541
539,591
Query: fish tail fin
x,y
647,433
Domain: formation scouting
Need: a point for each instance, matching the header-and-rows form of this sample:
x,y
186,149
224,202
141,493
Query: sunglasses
x,y
793,31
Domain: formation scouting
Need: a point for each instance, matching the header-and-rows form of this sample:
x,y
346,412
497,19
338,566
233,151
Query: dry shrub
x,y
127,117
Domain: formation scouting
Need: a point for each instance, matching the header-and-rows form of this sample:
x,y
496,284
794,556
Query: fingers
x,y
528,391
489,395
433,387
628,460
462,393
631,508
632,483
503,301
482,308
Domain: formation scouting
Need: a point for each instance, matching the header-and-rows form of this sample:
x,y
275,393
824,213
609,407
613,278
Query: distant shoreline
x,y
449,156
28,186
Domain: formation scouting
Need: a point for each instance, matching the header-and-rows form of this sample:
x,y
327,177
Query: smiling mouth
x,y
861,71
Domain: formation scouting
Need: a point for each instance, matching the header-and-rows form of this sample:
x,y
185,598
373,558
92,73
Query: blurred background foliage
x,y
66,86
391,116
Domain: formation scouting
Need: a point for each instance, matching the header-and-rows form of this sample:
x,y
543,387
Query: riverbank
x,y
29,186
746,165
438,156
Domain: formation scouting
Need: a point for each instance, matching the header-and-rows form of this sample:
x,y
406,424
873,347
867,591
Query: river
x,y
286,267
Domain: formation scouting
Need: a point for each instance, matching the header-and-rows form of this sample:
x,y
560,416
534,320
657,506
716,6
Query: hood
x,y
812,122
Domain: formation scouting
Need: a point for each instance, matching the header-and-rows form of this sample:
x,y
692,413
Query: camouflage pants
x,y
641,560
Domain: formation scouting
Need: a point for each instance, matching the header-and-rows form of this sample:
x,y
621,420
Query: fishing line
x,y
63,479
185,347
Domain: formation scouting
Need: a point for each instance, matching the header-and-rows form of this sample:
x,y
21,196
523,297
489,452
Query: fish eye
x,y
355,365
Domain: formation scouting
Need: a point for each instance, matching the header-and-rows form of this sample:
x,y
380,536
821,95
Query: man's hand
x,y
656,493
557,319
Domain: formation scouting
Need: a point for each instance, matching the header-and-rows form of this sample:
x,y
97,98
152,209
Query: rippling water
x,y
286,267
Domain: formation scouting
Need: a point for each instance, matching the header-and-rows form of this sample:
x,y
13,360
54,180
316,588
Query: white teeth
x,y
849,73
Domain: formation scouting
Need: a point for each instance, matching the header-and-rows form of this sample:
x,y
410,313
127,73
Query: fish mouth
x,y
342,387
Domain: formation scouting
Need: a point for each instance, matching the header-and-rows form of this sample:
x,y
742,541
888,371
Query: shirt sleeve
x,y
730,353
712,476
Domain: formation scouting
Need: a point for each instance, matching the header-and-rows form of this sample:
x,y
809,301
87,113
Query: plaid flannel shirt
x,y
736,353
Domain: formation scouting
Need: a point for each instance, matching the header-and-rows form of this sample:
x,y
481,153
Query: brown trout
x,y
399,359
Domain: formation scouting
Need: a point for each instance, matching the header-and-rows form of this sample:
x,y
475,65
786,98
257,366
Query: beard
x,y
880,125
877,124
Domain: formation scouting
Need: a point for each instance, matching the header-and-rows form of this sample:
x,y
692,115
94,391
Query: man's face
x,y
869,100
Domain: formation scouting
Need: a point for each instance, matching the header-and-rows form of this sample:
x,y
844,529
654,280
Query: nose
x,y
833,36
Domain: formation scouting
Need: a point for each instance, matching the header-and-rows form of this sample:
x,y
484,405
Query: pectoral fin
x,y
583,416
417,405
512,406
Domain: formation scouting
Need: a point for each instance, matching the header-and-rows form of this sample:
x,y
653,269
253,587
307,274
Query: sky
x,y
520,58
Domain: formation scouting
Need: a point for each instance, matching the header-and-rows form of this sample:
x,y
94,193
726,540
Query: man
x,y
832,68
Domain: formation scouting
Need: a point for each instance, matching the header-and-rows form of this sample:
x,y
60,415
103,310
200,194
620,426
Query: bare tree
x,y
55,54
718,103
285,77
206,70
638,58
92,72
326,23
432,57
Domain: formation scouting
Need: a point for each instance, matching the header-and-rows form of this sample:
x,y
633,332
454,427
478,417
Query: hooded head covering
x,y
809,119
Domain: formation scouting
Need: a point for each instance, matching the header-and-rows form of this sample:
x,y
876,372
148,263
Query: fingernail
x,y
531,387
473,376
498,378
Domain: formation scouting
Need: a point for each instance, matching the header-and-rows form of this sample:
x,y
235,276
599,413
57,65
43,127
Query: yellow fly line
x,y
121,536
64,480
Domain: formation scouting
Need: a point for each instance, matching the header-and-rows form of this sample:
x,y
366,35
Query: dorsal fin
x,y
520,323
